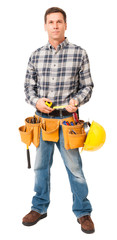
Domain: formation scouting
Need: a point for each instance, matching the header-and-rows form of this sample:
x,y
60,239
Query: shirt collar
x,y
60,46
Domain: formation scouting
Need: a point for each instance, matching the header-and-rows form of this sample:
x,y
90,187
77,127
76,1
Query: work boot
x,y
32,218
87,225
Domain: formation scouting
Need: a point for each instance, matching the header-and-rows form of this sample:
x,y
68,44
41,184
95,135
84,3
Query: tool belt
x,y
74,136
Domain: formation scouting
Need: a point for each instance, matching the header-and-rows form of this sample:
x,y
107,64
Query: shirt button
x,y
52,78
54,65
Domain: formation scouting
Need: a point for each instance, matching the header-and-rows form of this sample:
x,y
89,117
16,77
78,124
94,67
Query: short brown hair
x,y
54,10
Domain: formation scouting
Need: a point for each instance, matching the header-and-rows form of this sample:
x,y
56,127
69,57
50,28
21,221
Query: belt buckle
x,y
50,116
61,113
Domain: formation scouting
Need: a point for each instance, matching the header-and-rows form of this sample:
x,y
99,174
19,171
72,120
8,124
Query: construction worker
x,y
58,72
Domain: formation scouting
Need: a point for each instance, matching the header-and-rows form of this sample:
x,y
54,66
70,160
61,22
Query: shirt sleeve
x,y
30,84
85,84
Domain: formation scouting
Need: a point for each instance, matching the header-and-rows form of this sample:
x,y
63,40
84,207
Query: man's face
x,y
55,26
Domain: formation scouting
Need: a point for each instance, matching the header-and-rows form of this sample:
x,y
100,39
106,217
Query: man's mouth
x,y
56,32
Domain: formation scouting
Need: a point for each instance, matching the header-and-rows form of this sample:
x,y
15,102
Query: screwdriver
x,y
38,120
75,116
33,120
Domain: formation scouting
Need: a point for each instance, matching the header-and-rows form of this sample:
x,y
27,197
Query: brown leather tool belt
x,y
74,135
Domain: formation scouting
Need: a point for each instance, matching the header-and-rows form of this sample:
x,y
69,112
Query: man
x,y
58,72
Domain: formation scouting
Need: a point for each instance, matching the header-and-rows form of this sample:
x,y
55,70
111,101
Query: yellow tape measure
x,y
49,104
57,107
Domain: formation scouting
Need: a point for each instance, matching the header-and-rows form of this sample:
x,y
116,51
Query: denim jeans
x,y
73,163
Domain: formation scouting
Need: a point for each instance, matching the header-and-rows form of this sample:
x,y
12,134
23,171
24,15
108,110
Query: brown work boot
x,y
32,218
87,224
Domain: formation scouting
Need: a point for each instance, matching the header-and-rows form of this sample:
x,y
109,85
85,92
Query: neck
x,y
56,42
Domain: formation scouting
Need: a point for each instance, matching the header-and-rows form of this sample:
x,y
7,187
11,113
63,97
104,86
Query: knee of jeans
x,y
42,163
78,176
75,170
39,163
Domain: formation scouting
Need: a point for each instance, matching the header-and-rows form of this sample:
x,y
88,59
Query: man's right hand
x,y
42,107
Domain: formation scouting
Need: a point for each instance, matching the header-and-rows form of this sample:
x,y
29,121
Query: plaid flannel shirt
x,y
58,74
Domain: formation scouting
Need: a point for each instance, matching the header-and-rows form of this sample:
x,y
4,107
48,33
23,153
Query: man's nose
x,y
55,25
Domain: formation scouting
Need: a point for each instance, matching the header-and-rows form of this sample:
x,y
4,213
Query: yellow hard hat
x,y
95,138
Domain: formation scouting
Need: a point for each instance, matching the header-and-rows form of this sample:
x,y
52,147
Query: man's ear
x,y
65,26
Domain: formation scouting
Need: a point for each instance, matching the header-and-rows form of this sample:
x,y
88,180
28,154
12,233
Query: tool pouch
x,y
26,136
72,140
50,129
76,140
35,127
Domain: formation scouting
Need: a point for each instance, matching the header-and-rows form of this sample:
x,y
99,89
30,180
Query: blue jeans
x,y
73,163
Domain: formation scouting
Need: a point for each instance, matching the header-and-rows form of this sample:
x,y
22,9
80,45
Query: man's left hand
x,y
71,107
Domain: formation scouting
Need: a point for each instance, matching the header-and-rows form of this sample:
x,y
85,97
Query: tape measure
x,y
49,104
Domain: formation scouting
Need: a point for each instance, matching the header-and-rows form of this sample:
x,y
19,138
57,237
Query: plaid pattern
x,y
59,74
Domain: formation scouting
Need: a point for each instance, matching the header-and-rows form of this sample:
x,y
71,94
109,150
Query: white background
x,y
92,25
